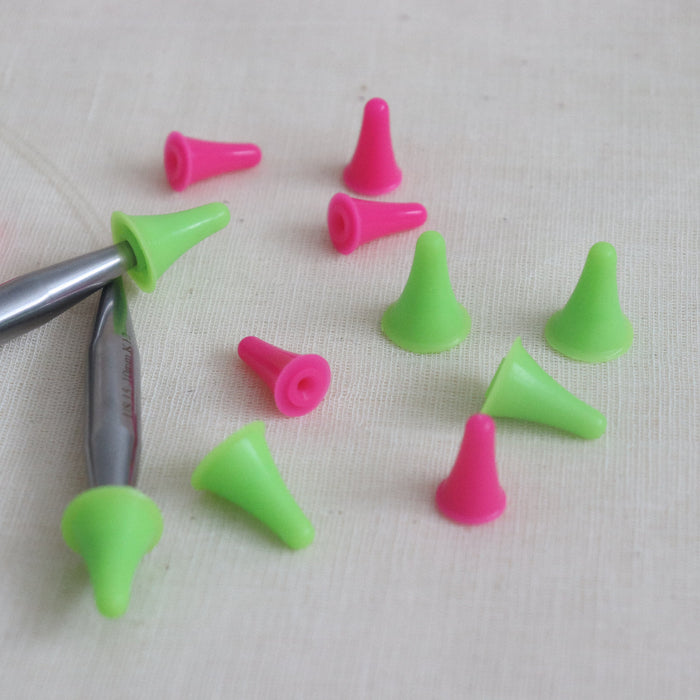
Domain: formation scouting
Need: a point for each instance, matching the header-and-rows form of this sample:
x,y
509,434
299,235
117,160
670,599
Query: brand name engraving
x,y
127,386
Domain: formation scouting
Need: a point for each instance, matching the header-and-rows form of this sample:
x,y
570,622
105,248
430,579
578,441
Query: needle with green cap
x,y
144,246
112,524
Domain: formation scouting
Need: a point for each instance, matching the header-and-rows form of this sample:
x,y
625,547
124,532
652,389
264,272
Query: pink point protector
x,y
298,382
373,169
353,222
188,160
472,494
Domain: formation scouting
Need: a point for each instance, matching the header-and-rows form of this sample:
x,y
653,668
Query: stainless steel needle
x,y
112,434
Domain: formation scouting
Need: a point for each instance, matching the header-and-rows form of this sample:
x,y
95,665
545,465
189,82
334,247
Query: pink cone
x,y
352,222
472,494
189,160
298,382
373,169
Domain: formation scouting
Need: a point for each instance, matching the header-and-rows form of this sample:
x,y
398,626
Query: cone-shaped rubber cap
x,y
112,527
472,494
352,222
427,316
242,470
187,160
591,327
522,389
373,169
298,382
159,240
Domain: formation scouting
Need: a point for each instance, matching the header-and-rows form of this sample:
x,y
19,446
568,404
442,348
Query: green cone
x,y
522,389
242,470
427,317
112,527
591,327
159,240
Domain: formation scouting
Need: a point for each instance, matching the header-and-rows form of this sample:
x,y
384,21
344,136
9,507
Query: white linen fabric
x,y
529,130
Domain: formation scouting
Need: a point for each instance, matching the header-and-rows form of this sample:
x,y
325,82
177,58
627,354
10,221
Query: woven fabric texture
x,y
529,130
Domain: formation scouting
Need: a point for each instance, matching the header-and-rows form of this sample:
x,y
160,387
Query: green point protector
x,y
159,240
591,327
242,470
522,389
112,527
427,318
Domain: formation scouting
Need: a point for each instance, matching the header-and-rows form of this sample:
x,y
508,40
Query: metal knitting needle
x,y
112,435
112,524
144,246
31,300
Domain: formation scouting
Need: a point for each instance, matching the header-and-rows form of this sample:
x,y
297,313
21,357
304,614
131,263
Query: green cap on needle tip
x,y
427,317
242,470
591,327
112,527
159,240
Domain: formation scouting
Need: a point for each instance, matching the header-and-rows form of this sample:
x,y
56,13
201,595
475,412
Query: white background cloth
x,y
529,130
